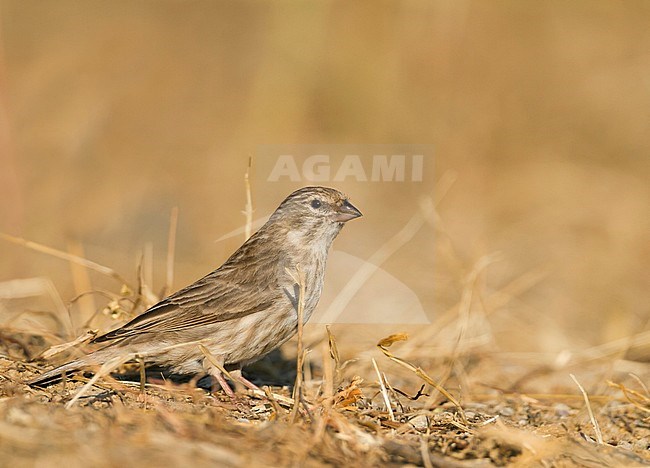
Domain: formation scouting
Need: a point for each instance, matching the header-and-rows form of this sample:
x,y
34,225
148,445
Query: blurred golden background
x,y
113,113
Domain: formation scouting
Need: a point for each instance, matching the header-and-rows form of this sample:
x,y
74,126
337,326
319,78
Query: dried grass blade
x,y
214,361
64,256
171,252
248,210
56,349
599,434
106,369
420,373
299,278
384,392
643,404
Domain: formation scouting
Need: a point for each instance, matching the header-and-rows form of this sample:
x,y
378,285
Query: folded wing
x,y
208,301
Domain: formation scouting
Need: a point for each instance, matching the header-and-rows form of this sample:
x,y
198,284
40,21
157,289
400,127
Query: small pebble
x,y
420,422
562,410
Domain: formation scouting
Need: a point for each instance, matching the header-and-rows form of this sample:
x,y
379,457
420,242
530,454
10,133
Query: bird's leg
x,y
237,375
217,375
215,368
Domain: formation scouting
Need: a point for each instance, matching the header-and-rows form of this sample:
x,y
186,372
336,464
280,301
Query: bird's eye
x,y
315,203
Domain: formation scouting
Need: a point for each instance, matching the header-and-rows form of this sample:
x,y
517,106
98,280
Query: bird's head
x,y
315,212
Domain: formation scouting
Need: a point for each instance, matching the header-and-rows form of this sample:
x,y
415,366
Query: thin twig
x,y
248,211
299,278
64,256
145,294
640,382
143,373
56,349
641,401
214,361
326,402
171,252
81,282
32,287
106,369
387,342
147,266
334,354
384,393
271,398
283,400
599,434
328,380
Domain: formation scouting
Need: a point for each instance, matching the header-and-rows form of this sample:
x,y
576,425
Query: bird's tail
x,y
55,375
95,358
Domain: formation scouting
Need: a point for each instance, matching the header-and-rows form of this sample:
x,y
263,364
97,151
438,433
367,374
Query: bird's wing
x,y
211,299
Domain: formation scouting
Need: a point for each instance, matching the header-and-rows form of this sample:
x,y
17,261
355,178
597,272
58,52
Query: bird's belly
x,y
240,341
257,336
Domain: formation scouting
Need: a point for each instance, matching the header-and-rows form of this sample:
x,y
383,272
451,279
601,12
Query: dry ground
x,y
489,419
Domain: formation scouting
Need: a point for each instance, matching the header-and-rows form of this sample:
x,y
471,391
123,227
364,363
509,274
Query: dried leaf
x,y
334,351
389,340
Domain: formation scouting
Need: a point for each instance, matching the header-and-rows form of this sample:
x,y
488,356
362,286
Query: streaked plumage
x,y
245,308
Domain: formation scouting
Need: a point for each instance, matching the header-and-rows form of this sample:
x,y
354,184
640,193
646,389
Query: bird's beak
x,y
346,212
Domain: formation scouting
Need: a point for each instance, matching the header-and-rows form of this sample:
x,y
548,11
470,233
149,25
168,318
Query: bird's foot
x,y
238,377
218,377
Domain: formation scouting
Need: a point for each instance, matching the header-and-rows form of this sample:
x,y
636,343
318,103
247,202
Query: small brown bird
x,y
245,308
